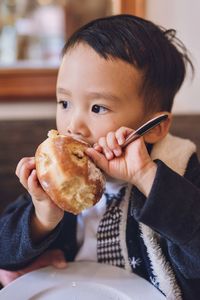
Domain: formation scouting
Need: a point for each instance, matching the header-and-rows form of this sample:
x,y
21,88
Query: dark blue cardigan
x,y
172,210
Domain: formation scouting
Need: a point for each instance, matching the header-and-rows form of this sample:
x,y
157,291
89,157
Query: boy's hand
x,y
53,258
47,214
132,164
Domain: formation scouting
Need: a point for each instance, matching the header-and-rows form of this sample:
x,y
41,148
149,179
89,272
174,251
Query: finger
x,y
25,172
23,161
58,260
7,277
19,165
34,187
99,159
113,144
97,147
122,133
54,258
107,152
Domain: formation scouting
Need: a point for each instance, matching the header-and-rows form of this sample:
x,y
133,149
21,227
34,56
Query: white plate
x,y
80,281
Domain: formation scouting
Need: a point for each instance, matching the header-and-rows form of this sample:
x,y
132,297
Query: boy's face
x,y
96,96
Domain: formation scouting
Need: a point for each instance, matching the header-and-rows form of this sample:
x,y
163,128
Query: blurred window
x,y
32,34
36,30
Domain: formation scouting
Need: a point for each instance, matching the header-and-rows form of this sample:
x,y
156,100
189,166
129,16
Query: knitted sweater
x,y
166,225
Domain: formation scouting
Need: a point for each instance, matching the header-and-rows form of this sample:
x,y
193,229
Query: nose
x,y
78,126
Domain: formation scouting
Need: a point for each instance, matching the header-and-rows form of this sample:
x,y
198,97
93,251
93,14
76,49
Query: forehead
x,y
83,67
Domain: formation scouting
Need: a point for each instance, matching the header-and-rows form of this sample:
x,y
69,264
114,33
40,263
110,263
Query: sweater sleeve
x,y
173,210
16,246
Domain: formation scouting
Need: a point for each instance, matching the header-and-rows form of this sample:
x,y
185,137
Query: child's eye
x,y
65,104
99,109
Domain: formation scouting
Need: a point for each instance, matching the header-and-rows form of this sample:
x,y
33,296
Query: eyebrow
x,y
93,95
63,91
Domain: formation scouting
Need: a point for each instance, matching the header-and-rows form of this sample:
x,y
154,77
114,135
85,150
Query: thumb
x,y
58,260
98,158
8,276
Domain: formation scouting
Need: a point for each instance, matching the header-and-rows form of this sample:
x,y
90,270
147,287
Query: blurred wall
x,y
27,110
184,16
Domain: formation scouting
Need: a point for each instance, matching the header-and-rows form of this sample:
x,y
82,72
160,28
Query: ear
x,y
160,131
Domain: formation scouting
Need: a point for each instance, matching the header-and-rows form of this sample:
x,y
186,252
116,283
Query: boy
x,y
117,73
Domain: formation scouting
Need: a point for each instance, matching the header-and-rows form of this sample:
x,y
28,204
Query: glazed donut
x,y
67,174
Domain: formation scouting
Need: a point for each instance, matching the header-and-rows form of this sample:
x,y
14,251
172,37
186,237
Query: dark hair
x,y
157,52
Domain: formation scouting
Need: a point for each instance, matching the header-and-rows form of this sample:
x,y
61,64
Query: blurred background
x,y
32,34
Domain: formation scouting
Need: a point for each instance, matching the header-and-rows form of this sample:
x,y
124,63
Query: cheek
x,y
101,130
131,119
61,122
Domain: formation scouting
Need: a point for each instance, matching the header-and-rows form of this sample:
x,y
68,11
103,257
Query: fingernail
x,y
95,145
88,150
120,141
61,264
97,148
117,152
109,155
